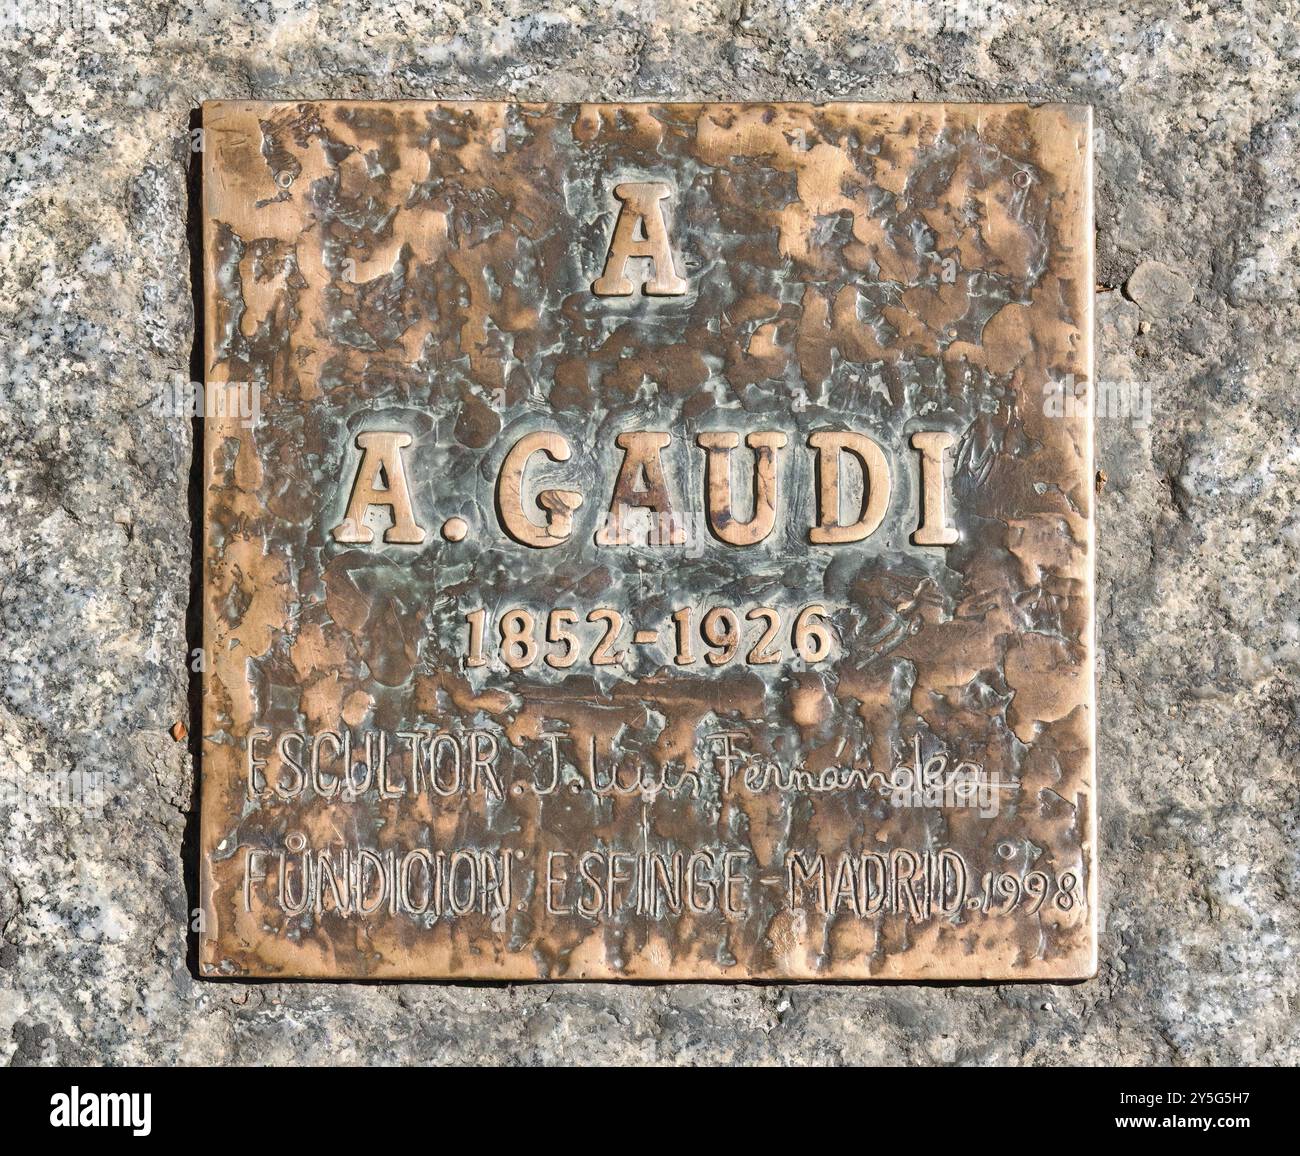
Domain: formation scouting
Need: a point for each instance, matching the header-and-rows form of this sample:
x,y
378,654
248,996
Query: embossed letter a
x,y
381,451
640,232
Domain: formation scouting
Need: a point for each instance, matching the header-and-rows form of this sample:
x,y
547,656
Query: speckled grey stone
x,y
1198,581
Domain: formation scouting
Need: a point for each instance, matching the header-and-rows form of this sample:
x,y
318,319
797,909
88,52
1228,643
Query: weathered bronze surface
x,y
648,541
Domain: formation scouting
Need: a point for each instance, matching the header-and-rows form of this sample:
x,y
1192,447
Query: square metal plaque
x,y
648,541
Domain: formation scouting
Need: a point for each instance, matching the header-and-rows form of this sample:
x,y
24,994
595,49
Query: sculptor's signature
x,y
933,780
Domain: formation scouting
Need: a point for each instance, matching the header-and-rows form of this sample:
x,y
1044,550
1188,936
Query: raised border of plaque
x,y
648,541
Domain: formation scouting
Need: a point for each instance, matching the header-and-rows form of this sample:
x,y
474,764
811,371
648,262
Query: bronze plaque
x,y
648,541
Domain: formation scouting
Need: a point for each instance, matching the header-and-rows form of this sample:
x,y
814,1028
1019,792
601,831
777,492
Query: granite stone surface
x,y
1197,108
